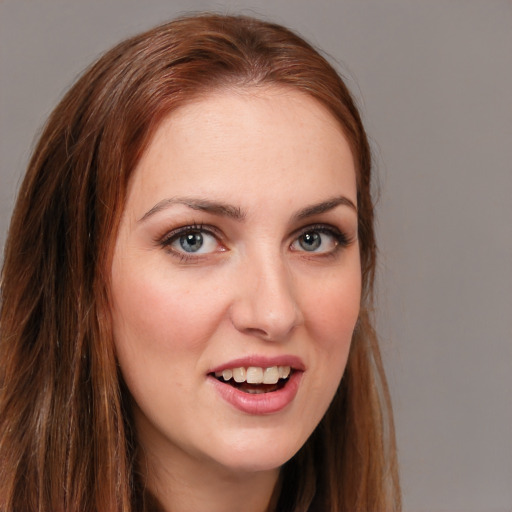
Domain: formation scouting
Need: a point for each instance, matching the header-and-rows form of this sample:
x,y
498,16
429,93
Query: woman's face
x,y
236,279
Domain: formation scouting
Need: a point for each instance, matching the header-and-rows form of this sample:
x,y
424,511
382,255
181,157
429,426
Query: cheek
x,y
161,327
333,309
156,313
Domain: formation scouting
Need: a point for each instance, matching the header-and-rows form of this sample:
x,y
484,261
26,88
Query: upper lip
x,y
262,362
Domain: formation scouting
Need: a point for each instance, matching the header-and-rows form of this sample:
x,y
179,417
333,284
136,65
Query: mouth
x,y
255,379
259,385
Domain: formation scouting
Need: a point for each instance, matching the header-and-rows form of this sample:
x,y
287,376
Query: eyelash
x,y
171,236
340,238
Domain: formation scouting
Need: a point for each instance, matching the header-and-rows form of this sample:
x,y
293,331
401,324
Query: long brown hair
x,y
66,441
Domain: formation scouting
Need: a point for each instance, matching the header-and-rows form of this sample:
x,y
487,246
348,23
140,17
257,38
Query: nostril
x,y
271,325
255,331
265,304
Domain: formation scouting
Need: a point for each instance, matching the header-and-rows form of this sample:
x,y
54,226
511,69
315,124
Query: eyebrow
x,y
324,206
236,213
205,205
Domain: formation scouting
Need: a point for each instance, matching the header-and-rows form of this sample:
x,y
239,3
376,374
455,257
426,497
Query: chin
x,y
256,455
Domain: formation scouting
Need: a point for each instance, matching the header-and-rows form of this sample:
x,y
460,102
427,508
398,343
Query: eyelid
x,y
340,236
186,228
171,236
323,228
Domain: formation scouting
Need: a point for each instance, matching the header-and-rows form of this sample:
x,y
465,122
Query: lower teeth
x,y
257,389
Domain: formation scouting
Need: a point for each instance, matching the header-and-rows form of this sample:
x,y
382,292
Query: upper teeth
x,y
255,374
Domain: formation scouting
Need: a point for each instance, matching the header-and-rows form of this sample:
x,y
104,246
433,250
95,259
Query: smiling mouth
x,y
255,380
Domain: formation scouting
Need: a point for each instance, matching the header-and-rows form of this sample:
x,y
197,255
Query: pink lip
x,y
263,403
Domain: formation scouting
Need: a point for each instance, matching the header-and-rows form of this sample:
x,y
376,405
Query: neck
x,y
181,484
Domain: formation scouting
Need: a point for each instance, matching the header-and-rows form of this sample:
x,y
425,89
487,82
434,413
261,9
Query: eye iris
x,y
310,241
191,242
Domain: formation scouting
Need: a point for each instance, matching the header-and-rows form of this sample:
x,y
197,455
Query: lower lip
x,y
261,403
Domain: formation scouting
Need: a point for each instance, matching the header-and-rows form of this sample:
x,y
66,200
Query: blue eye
x,y
310,241
319,240
191,240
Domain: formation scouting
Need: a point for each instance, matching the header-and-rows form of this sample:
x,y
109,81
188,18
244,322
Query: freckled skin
x,y
251,289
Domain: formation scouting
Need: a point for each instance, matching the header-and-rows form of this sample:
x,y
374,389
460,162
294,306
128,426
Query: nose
x,y
266,303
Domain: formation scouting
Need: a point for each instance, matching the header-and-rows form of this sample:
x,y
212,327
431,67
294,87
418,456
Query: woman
x,y
187,285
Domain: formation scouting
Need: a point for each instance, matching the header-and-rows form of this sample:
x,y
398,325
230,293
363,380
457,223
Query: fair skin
x,y
237,249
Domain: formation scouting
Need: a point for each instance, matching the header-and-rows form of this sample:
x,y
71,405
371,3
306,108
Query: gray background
x,y
434,80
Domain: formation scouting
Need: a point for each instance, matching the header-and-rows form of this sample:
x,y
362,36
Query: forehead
x,y
240,138
243,107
